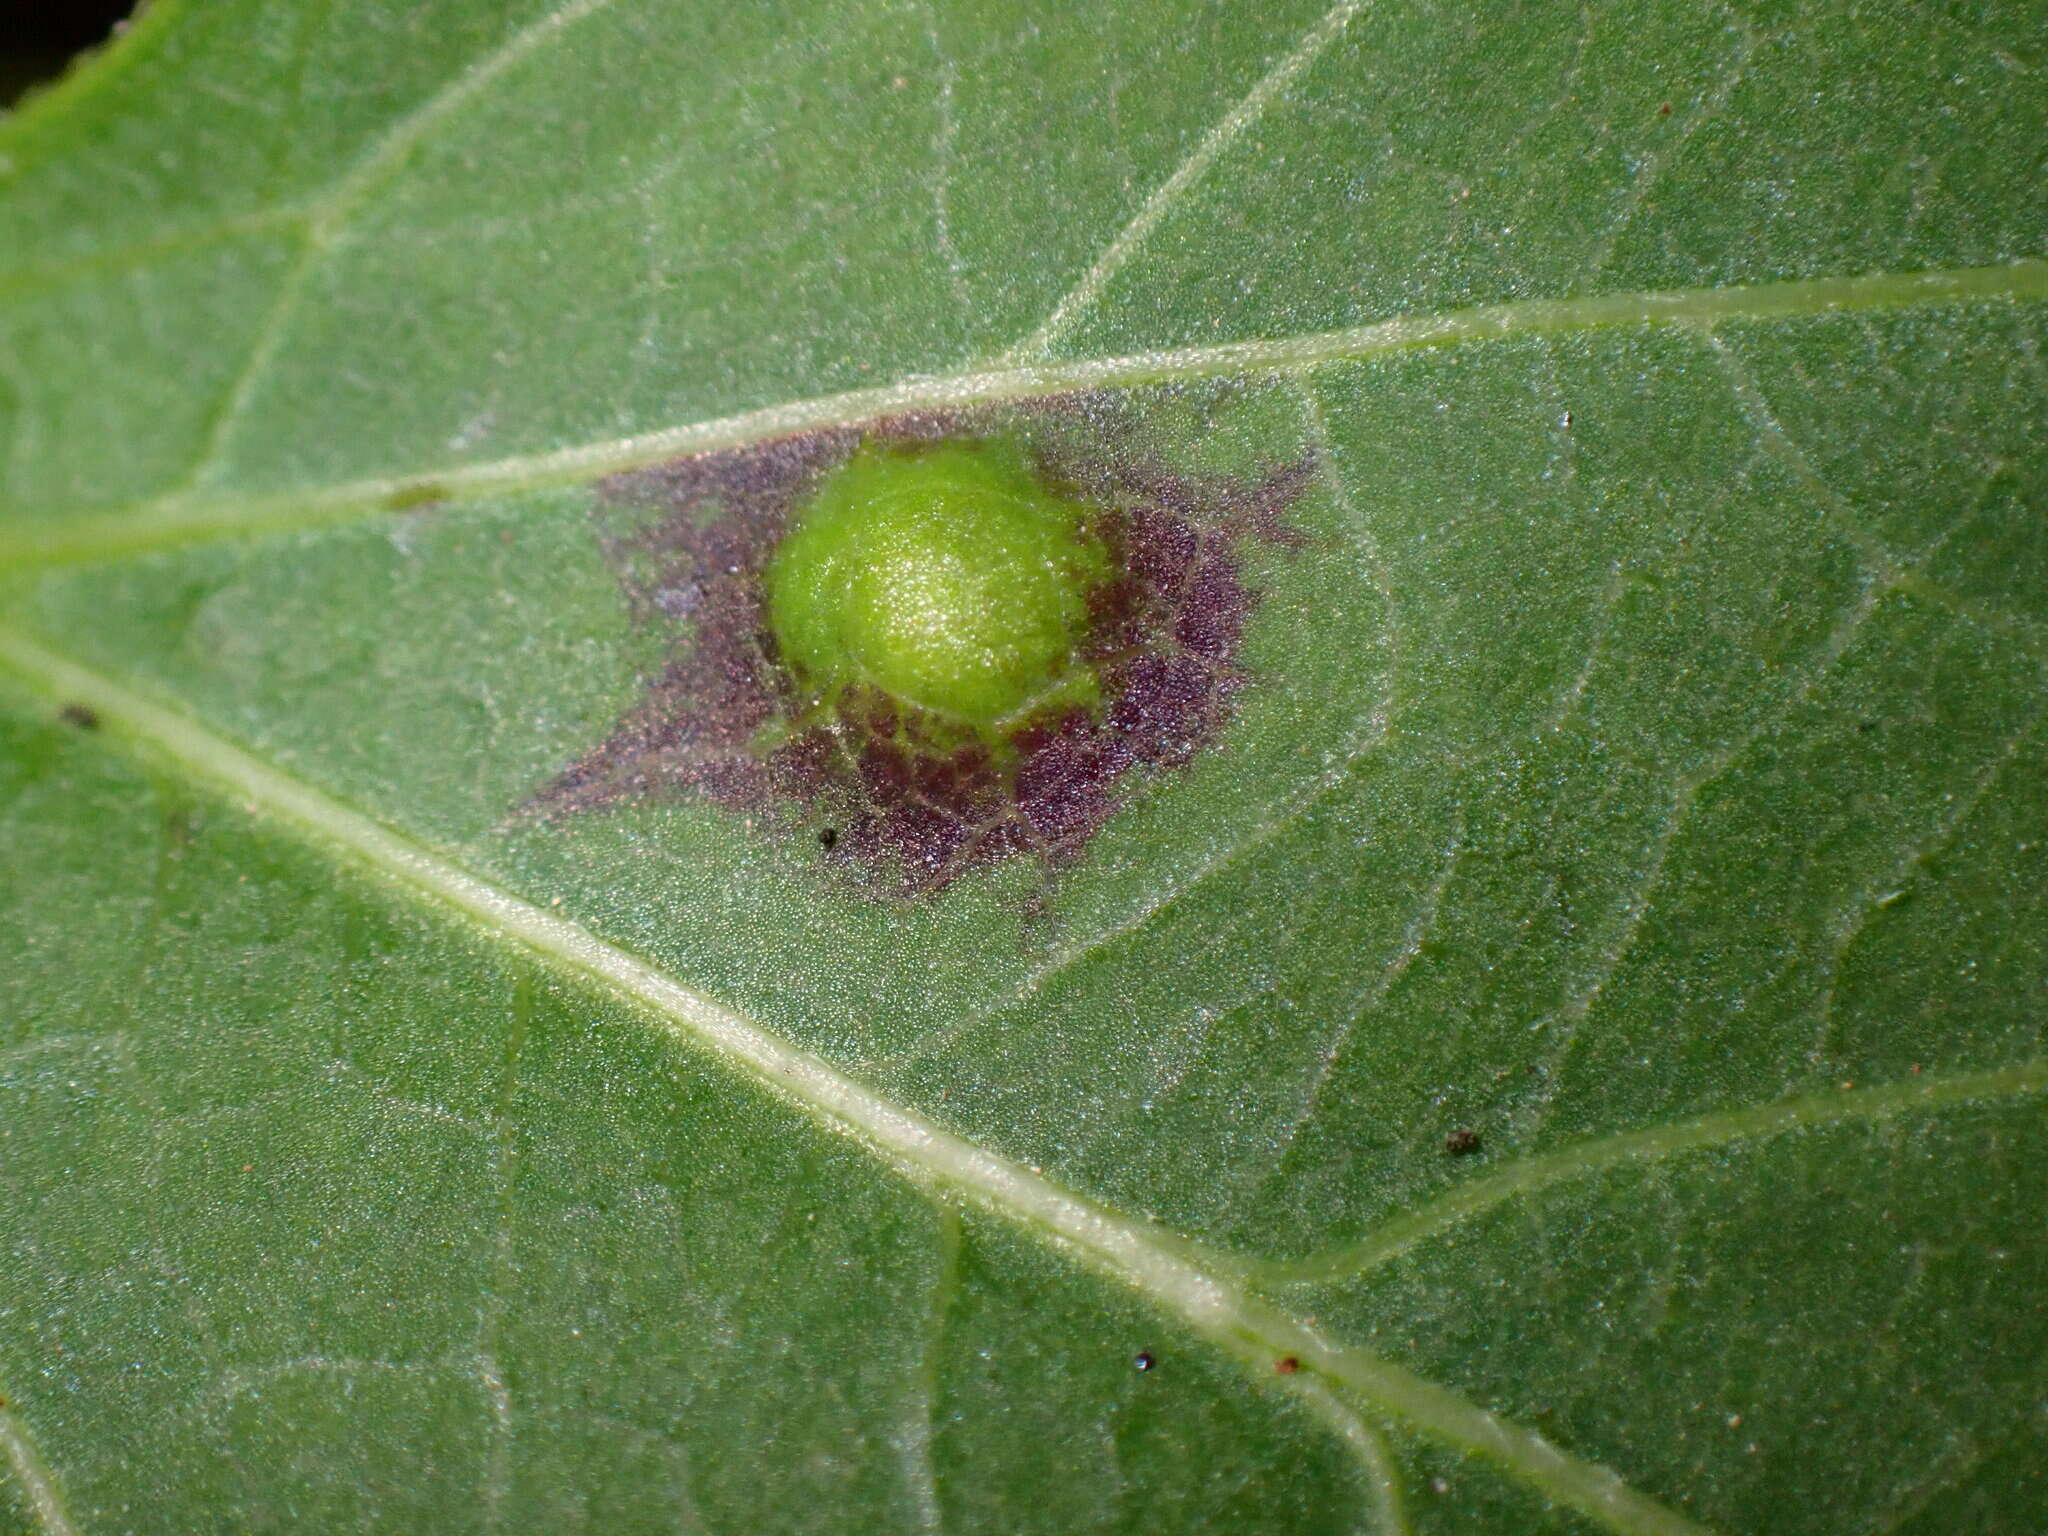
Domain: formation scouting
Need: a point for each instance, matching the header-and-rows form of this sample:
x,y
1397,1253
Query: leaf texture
x,y
1570,1059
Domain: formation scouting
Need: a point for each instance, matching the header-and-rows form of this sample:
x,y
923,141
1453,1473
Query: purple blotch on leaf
x,y
910,805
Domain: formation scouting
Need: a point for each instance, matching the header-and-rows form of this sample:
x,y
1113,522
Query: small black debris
x,y
828,838
84,716
1144,1362
1461,1143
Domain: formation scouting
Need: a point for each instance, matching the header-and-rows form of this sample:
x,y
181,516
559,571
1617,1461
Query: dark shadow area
x,y
38,38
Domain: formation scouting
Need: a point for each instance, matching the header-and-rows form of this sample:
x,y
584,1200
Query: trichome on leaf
x,y
935,642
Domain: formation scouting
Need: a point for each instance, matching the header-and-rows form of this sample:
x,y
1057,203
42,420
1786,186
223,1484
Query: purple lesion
x,y
912,802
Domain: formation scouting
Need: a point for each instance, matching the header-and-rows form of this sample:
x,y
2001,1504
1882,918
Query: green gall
x,y
950,578
935,644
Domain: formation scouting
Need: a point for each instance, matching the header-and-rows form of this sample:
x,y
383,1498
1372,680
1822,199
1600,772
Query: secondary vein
x,y
193,517
1883,1102
1206,153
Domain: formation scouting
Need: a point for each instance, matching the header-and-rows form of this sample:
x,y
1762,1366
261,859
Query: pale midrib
x,y
39,1488
1153,1262
1654,1144
198,517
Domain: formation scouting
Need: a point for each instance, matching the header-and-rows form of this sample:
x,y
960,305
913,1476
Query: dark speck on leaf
x,y
1287,1365
828,838
1665,110
1144,1362
1461,1143
84,716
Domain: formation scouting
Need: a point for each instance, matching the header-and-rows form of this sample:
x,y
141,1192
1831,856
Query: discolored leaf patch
x,y
885,791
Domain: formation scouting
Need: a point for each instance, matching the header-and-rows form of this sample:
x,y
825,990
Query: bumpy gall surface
x,y
948,579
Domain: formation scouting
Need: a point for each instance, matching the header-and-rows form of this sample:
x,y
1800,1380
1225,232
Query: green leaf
x,y
1569,1056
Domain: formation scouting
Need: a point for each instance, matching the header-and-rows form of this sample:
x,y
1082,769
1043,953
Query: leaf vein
x,y
1211,148
1887,1101
1658,162
38,1483
330,213
173,520
1161,1267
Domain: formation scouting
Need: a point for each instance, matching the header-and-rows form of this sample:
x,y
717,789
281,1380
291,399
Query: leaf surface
x,y
1569,1059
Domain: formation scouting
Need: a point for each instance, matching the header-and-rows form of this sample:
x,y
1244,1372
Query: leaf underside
x,y
1568,1059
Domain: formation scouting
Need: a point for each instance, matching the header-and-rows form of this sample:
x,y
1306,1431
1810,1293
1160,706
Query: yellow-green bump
x,y
950,578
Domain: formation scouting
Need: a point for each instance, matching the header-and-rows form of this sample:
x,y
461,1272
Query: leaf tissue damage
x,y
889,792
